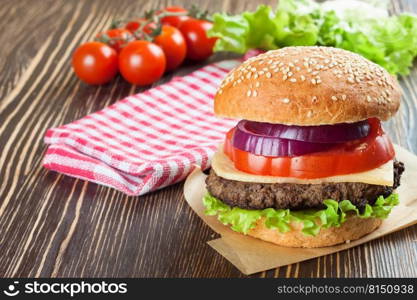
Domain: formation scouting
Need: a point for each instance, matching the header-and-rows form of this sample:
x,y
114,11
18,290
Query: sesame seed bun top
x,y
308,86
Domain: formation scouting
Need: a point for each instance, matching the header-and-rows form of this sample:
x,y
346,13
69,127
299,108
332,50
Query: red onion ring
x,y
282,140
273,146
337,133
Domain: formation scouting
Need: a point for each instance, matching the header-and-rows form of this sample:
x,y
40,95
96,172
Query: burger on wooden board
x,y
308,164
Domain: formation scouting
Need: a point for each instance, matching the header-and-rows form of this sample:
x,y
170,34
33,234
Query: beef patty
x,y
297,196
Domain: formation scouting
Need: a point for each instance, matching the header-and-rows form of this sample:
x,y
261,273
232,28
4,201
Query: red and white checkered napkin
x,y
145,141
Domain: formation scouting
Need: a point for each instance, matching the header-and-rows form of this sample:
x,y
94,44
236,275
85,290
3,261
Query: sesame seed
x,y
284,77
257,84
249,75
309,114
314,99
255,76
350,79
334,98
291,65
298,68
249,93
268,75
362,146
315,73
318,80
293,80
344,97
239,81
368,98
313,81
254,94
261,72
289,74
302,77
285,100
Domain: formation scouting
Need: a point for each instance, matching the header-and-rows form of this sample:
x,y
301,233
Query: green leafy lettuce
x,y
334,215
390,41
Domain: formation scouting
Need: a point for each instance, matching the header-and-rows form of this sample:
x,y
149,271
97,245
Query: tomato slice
x,y
352,157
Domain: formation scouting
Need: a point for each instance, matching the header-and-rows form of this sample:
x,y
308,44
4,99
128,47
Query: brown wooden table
x,y
54,225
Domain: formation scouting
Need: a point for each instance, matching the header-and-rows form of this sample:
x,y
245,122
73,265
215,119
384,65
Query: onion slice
x,y
273,146
282,140
337,133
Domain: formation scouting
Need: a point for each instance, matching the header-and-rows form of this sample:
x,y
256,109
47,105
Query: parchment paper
x,y
251,255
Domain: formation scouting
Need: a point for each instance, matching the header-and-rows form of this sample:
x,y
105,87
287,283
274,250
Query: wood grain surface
x,y
57,226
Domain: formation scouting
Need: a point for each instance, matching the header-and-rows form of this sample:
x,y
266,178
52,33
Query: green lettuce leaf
x,y
358,26
232,32
295,23
262,28
334,215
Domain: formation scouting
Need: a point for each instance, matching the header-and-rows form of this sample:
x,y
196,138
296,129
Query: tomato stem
x,y
156,19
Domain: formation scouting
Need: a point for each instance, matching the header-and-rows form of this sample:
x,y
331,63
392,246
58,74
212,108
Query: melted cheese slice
x,y
224,167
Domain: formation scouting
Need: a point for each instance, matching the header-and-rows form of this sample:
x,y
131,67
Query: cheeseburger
x,y
308,163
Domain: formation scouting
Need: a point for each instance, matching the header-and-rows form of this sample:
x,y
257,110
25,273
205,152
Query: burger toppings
x,y
283,140
337,133
225,168
333,215
260,152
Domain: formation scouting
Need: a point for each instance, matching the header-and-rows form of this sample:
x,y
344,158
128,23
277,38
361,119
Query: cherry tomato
x,y
142,62
95,63
174,21
351,157
173,44
134,25
115,38
199,46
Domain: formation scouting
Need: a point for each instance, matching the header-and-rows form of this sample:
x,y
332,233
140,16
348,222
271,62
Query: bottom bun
x,y
352,229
